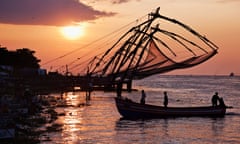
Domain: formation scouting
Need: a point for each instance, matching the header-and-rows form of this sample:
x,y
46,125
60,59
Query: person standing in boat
x,y
142,101
215,99
165,102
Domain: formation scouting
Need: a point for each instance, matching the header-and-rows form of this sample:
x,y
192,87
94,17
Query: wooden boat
x,y
129,109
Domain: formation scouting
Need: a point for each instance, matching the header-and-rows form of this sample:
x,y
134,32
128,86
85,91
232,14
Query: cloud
x,y
47,12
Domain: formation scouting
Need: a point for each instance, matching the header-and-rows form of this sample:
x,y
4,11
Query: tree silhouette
x,y
21,58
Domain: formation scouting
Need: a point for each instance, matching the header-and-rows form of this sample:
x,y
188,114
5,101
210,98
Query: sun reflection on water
x,y
72,121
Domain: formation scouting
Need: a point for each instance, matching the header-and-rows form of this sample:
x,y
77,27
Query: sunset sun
x,y
72,32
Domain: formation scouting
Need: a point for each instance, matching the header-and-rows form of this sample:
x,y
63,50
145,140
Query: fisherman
x,y
89,86
119,89
165,102
142,101
89,90
215,98
221,102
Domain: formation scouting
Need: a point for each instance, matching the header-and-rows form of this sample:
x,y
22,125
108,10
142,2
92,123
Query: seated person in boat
x,y
216,99
142,101
165,102
221,102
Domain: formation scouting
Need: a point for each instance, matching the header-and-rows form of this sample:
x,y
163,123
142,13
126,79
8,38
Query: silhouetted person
x,y
221,102
142,101
165,102
215,99
89,86
89,90
119,89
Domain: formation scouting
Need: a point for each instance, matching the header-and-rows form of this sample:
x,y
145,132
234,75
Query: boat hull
x,y
130,109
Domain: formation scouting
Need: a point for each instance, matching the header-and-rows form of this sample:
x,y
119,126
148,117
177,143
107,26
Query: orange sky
x,y
36,25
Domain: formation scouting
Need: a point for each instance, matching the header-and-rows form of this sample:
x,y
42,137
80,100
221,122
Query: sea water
x,y
100,123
